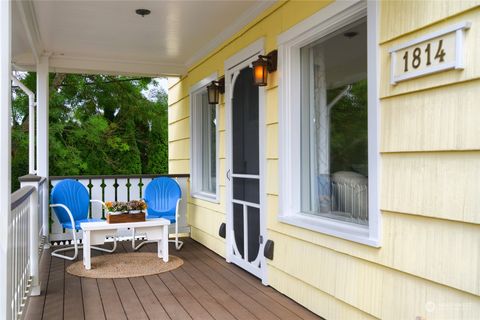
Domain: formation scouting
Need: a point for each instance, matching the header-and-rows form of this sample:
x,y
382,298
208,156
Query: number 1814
x,y
416,56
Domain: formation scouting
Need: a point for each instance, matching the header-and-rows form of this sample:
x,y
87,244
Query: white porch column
x,y
5,159
42,136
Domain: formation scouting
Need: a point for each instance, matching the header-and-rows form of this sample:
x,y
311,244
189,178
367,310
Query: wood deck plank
x,y
130,302
53,308
203,297
92,301
234,290
235,308
167,299
72,303
111,302
274,307
124,246
294,309
36,304
298,309
189,303
147,298
205,287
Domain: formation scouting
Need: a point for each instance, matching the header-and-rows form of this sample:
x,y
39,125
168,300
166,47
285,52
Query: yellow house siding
x,y
177,90
178,166
221,119
178,110
429,192
411,244
179,130
215,244
429,165
318,301
382,292
443,185
408,127
271,114
400,17
272,141
471,72
179,148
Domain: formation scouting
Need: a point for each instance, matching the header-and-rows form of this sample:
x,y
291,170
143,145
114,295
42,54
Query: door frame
x,y
237,62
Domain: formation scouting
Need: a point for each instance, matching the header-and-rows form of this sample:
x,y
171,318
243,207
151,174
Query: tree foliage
x,y
349,129
98,125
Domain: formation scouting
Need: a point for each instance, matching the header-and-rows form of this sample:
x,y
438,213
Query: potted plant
x,y
136,206
116,207
120,212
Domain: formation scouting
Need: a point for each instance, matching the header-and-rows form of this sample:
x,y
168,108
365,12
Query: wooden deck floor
x,y
205,287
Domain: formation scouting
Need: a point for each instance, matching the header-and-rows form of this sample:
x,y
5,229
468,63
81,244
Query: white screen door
x,y
245,224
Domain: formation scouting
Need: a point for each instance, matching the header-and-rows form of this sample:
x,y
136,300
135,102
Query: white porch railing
x,y
115,188
349,196
350,201
23,231
42,189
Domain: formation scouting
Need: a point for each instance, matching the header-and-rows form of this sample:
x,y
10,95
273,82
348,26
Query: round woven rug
x,y
125,265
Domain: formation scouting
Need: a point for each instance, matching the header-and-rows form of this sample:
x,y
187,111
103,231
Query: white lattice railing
x,y
115,188
24,255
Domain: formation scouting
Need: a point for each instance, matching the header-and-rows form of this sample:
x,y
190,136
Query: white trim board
x,y
5,161
253,49
27,13
204,82
324,22
95,65
194,152
325,18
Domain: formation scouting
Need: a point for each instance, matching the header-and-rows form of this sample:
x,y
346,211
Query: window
x,y
334,131
204,143
328,123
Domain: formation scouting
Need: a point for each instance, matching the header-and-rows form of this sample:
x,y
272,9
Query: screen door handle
x,y
228,174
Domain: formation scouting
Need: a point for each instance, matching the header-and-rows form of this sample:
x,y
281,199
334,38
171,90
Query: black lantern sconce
x,y
214,89
263,66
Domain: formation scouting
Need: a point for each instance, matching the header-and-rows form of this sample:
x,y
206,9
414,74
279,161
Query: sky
x,y
162,83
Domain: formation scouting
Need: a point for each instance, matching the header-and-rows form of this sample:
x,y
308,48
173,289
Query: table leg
x,y
163,245
86,250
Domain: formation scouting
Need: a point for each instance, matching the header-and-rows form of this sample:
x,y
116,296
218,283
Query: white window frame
x,y
324,22
196,151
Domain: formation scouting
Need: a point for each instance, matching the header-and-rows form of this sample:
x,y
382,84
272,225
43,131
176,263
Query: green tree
x,y
98,125
349,129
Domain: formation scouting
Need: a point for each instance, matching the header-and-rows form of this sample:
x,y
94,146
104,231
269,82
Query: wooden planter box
x,y
126,217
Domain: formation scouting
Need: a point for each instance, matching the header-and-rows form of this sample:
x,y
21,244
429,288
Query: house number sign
x,y
431,53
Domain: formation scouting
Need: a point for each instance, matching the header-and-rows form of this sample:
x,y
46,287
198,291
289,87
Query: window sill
x,y
210,197
339,229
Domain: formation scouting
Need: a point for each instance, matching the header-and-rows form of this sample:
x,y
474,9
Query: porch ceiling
x,y
107,36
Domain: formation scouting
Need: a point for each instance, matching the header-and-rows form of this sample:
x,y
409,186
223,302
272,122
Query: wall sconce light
x,y
214,89
263,66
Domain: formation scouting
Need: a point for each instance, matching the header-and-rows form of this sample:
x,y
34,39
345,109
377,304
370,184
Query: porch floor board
x,y
205,287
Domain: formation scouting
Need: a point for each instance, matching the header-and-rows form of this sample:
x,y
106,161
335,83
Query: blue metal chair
x,y
162,196
70,202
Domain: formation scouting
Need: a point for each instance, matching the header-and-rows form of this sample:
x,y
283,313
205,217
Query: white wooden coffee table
x,y
95,233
